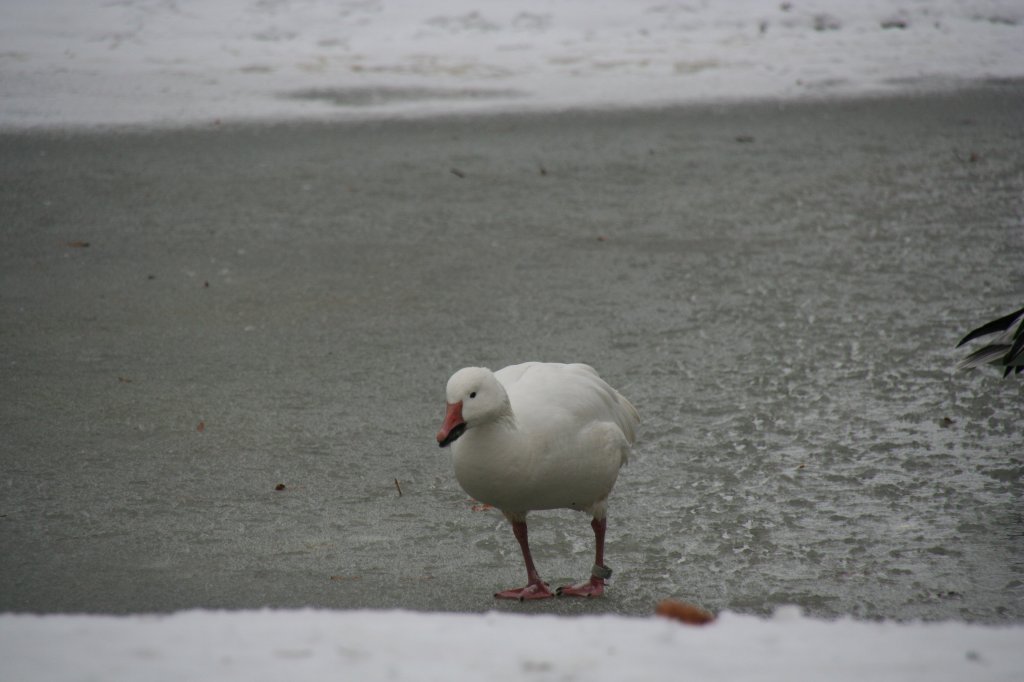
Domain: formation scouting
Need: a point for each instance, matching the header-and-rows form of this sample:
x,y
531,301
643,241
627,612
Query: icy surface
x,y
777,289
94,62
319,645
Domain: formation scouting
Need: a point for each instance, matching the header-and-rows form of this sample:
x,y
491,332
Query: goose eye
x,y
473,394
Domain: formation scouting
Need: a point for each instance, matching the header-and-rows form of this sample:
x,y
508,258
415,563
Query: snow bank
x,y
396,645
67,62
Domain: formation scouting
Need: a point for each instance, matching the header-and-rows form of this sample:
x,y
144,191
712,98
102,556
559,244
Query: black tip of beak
x,y
453,435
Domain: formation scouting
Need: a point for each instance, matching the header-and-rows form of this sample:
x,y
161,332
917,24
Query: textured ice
x,y
782,312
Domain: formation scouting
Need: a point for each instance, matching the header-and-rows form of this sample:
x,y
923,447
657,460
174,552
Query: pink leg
x,y
535,587
595,586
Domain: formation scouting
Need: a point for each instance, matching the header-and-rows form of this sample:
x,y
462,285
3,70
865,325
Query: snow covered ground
x,y
381,645
103,62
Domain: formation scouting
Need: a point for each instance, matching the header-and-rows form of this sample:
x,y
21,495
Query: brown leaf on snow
x,y
684,612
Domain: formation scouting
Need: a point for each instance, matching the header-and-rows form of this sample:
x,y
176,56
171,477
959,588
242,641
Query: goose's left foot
x,y
591,588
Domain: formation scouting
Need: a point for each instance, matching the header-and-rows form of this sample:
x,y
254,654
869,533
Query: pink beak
x,y
453,425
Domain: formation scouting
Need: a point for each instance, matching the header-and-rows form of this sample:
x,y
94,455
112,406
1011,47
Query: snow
x,y
396,645
97,62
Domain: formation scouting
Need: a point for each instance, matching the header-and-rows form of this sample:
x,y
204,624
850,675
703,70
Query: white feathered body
x,y
568,435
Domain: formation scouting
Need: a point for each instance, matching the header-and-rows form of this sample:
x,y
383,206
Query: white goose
x,y
539,436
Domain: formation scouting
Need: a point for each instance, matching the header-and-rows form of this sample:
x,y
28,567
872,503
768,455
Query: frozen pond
x,y
778,289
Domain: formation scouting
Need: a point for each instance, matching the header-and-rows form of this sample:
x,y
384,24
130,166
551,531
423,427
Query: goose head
x,y
474,397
